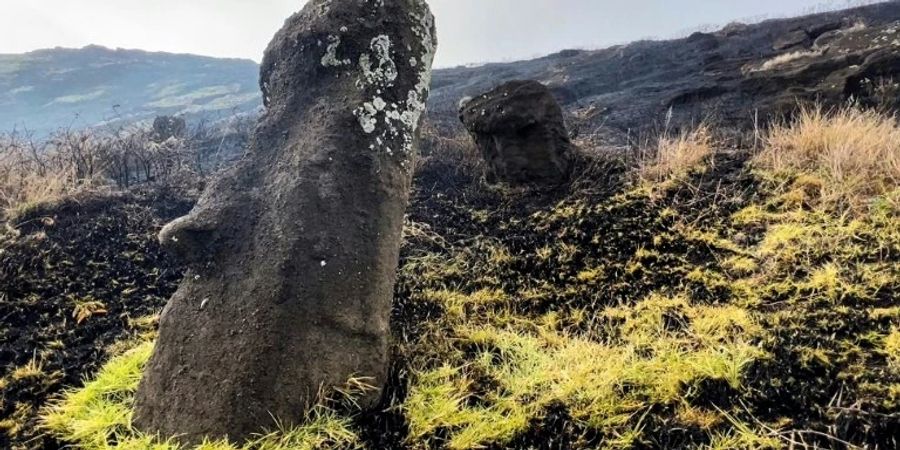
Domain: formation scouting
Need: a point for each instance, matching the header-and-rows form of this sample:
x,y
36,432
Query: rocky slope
x,y
725,76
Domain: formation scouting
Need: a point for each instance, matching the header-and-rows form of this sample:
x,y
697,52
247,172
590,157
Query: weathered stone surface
x,y
294,251
795,38
520,130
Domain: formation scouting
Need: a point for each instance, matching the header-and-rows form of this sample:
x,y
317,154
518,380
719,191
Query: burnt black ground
x,y
445,200
110,246
609,228
95,247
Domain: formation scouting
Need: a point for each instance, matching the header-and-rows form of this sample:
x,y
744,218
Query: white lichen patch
x,y
331,59
367,117
416,98
394,125
323,8
382,71
415,107
377,71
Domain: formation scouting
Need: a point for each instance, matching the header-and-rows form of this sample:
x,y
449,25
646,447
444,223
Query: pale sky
x,y
470,31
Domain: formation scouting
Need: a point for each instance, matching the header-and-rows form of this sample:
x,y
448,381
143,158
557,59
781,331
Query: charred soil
x,y
75,279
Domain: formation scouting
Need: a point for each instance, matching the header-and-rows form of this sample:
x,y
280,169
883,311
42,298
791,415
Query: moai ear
x,y
190,238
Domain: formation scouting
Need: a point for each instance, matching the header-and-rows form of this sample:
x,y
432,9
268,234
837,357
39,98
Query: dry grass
x,y
844,158
676,157
446,152
786,58
39,170
33,173
22,189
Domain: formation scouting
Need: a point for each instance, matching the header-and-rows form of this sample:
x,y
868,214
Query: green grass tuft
x,y
98,416
604,385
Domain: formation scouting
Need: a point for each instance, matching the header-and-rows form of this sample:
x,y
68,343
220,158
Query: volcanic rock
x,y
165,127
294,251
793,39
854,64
520,130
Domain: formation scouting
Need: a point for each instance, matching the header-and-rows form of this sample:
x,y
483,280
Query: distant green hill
x,y
46,89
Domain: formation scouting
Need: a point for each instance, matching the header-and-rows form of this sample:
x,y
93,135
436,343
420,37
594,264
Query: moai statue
x,y
520,131
293,253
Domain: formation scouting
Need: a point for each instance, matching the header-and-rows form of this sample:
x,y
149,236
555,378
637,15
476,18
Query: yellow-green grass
x,y
98,416
676,157
807,254
604,383
892,348
843,159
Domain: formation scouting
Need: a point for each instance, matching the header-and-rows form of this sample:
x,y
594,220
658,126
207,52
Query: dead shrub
x,y
29,176
35,171
676,157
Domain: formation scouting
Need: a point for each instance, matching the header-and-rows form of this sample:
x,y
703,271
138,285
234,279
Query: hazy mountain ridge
x,y
727,75
47,89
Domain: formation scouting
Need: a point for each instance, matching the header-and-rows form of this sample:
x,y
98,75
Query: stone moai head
x,y
520,130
